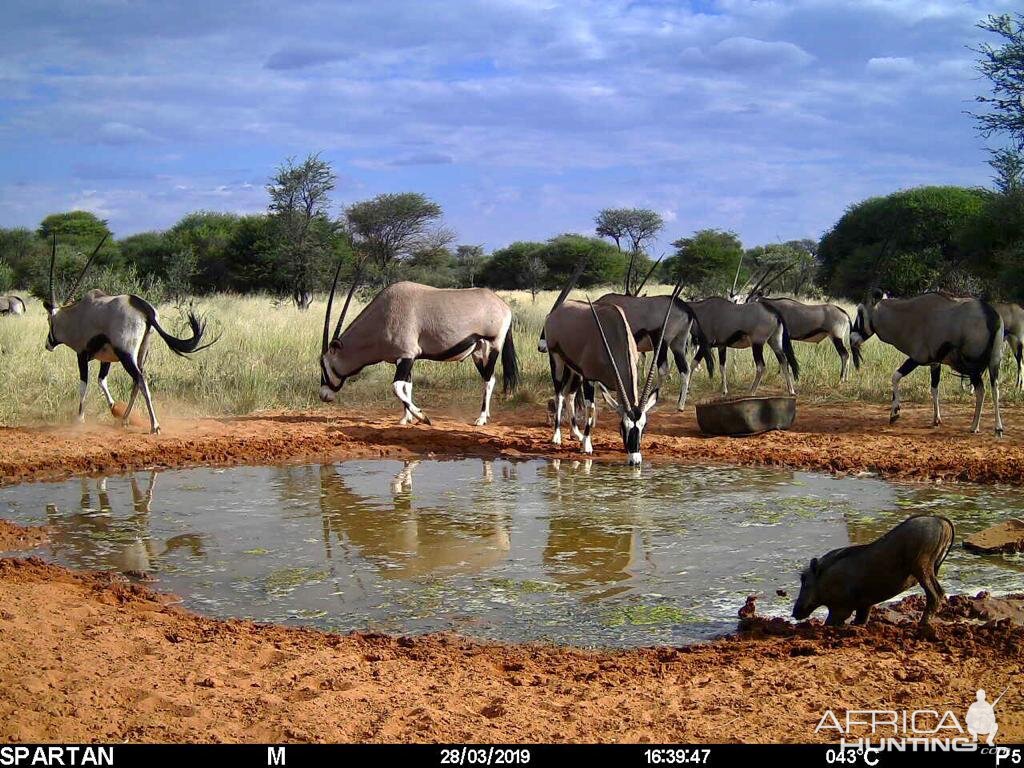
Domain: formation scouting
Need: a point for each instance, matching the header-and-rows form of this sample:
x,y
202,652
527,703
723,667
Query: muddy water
x,y
590,555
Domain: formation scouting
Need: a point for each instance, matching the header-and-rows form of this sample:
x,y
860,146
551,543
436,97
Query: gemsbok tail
x,y
178,346
787,343
509,364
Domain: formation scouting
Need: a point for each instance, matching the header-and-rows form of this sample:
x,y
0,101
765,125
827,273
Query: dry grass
x,y
267,358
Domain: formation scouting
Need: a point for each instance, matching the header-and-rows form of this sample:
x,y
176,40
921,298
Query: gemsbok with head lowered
x,y
934,330
592,343
645,315
407,322
112,329
814,322
726,324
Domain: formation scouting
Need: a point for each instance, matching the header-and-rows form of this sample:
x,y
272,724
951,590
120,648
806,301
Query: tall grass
x,y
266,358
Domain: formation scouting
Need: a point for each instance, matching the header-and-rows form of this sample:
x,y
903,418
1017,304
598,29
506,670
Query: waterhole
x,y
571,552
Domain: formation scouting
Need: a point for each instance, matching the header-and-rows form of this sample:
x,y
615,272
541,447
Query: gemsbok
x,y
725,324
645,315
592,343
112,329
813,322
934,330
11,305
1013,333
407,322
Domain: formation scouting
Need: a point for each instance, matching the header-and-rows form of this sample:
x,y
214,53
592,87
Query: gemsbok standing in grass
x,y
813,322
1013,333
592,343
726,324
111,329
934,330
407,322
645,315
11,305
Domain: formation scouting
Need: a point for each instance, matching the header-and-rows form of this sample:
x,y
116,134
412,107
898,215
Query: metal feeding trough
x,y
746,415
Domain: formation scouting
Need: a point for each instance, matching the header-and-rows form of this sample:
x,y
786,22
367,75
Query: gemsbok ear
x,y
651,401
612,402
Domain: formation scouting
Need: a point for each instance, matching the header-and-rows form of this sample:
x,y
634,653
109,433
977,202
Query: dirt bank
x,y
85,658
839,438
13,536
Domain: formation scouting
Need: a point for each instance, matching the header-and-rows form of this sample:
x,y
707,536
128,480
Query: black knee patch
x,y
403,370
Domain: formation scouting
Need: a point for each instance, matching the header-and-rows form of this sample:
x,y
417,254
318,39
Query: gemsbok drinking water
x,y
934,330
592,343
645,315
407,322
112,329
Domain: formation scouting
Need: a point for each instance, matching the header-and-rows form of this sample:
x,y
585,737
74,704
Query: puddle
x,y
598,555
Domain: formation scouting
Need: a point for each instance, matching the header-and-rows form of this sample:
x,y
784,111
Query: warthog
x,y
856,578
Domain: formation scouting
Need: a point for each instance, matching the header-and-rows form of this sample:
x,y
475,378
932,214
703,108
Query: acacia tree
x,y
634,226
299,200
392,227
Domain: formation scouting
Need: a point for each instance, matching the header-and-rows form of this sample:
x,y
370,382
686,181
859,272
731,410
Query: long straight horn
x,y
573,279
623,399
348,299
53,258
648,275
649,383
327,315
81,274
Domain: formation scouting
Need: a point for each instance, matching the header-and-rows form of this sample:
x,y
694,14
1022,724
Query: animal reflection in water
x,y
98,536
586,550
407,541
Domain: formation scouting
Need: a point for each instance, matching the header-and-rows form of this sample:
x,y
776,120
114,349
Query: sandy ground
x,y
850,437
86,657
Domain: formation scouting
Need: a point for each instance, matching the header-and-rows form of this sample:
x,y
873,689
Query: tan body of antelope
x,y
590,344
1013,333
934,330
645,315
11,305
812,323
755,325
407,322
112,329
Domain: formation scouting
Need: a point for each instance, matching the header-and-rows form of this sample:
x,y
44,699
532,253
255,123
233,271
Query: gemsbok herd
x,y
590,345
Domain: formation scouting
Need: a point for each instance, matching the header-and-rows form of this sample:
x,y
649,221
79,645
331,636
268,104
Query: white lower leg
x,y
106,392
83,387
995,403
485,410
936,418
979,402
681,403
591,411
894,410
154,425
757,377
559,402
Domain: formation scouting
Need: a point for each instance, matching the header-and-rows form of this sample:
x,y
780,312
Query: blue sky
x,y
522,118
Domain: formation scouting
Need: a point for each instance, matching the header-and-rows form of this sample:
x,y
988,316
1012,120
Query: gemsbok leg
x,y
403,391
485,357
684,372
758,350
590,409
563,380
844,357
101,379
722,359
139,377
775,341
936,373
993,377
83,383
894,411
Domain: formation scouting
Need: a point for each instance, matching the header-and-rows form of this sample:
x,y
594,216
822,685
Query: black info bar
x,y
560,755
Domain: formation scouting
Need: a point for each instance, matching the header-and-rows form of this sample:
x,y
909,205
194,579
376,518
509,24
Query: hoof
x,y
927,632
894,417
480,422
424,419
999,432
155,430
